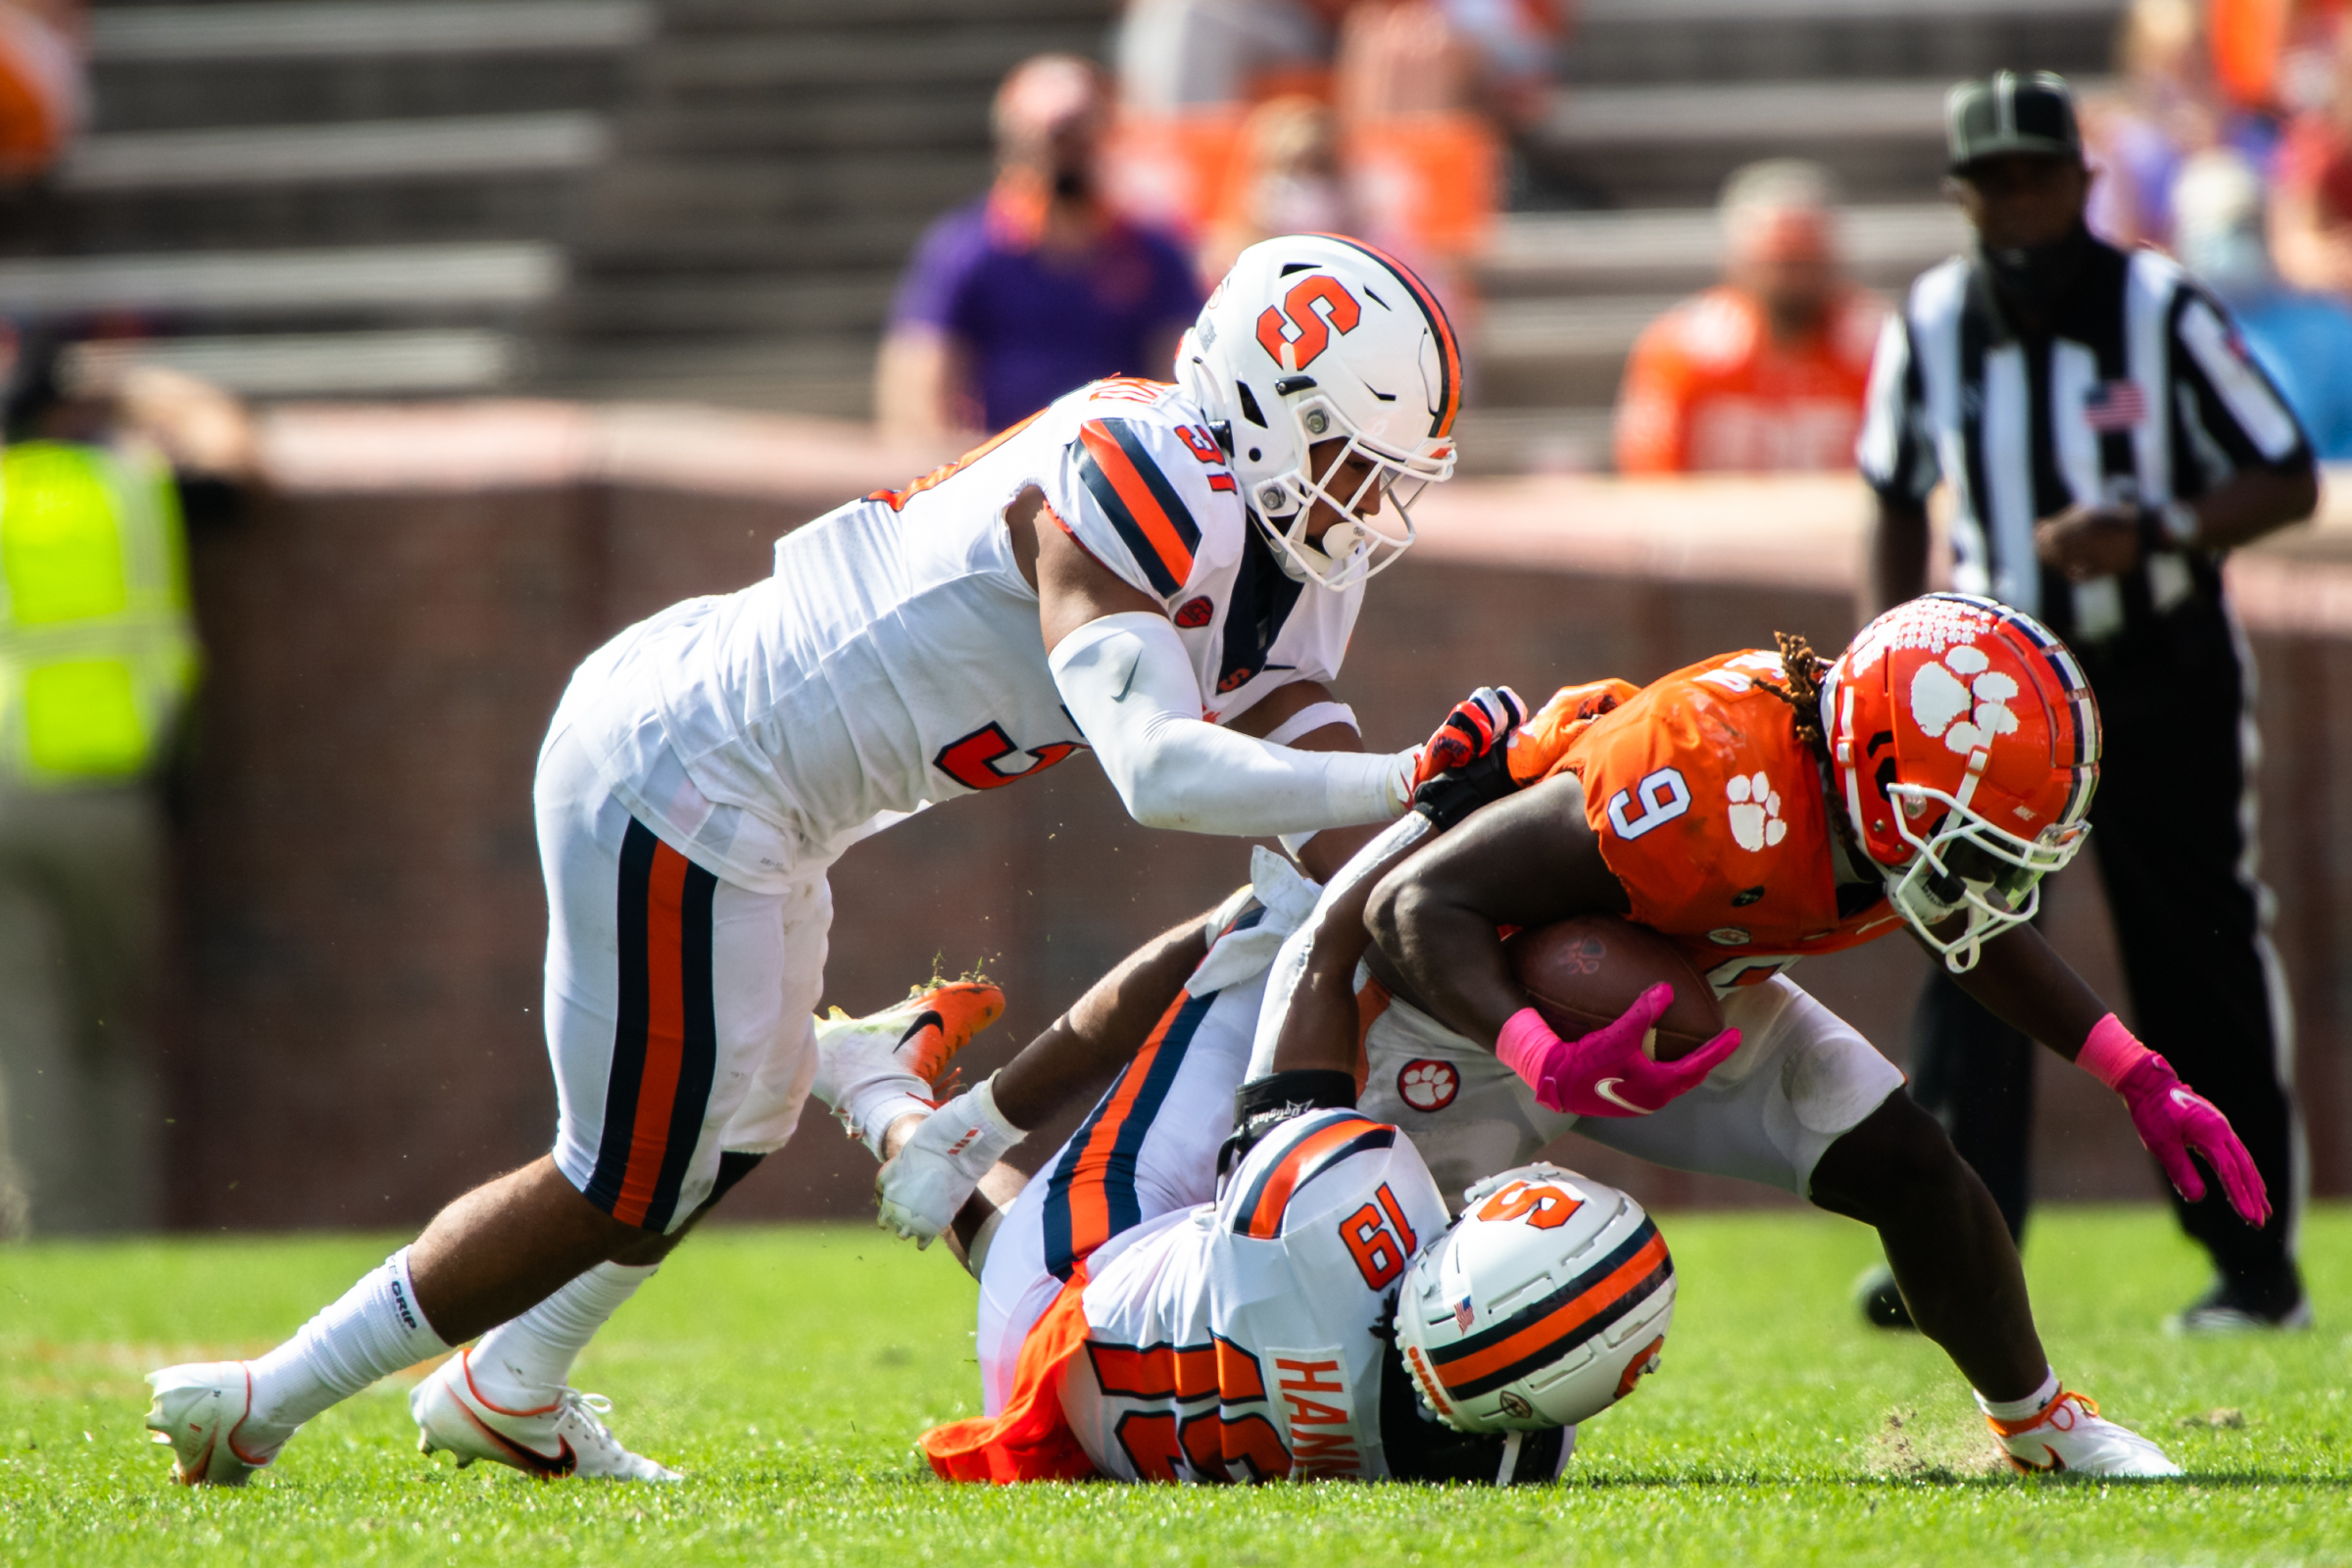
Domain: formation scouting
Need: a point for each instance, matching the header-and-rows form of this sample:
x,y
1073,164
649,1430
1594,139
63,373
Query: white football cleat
x,y
873,1070
2071,1435
204,1412
561,1438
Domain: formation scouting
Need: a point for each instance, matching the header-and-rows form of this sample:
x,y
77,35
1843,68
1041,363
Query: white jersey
x,y
1243,1340
895,658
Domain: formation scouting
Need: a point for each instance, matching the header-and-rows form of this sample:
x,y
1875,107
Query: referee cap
x,y
2011,112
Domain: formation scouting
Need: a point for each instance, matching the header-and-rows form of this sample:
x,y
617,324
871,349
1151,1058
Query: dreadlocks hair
x,y
1805,669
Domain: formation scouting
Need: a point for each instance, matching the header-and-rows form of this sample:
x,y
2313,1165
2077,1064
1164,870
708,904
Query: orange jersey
x,y
1709,810
1707,389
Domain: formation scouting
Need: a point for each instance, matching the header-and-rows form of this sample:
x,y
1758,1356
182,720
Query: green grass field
x,y
786,1371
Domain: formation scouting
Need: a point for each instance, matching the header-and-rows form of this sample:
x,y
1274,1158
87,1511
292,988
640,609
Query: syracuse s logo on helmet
x,y
1309,330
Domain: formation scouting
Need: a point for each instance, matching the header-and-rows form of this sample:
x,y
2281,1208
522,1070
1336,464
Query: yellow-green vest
x,y
97,651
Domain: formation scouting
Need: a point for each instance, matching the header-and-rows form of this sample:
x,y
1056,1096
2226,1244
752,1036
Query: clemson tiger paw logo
x,y
1755,811
1428,1084
1963,700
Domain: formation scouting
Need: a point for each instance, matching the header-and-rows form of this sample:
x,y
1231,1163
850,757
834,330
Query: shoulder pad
x,y
1270,1194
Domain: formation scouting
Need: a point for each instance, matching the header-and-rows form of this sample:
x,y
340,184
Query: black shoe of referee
x,y
2245,1306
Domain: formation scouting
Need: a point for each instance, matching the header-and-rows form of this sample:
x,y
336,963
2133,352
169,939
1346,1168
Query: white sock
x,y
525,1360
377,1329
2031,1404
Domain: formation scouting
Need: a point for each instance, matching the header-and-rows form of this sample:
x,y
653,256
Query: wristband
x,y
1523,1041
2110,1052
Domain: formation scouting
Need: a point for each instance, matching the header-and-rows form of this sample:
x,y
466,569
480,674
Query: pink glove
x,y
2174,1120
1606,1073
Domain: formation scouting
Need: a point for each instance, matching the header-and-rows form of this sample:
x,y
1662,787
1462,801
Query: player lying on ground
x,y
1757,807
1142,1319
1163,573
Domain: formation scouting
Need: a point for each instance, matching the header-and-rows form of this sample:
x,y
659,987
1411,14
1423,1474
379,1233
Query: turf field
x,y
786,1370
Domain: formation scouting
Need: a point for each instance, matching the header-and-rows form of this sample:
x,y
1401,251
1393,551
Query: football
x,y
1582,974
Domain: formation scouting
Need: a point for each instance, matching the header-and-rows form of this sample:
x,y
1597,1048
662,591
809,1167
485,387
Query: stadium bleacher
x,y
710,198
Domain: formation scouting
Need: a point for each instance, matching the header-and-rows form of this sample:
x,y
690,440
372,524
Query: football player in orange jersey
x,y
1759,807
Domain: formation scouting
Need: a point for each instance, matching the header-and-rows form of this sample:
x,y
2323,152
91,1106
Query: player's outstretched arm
x,y
1128,682
2020,980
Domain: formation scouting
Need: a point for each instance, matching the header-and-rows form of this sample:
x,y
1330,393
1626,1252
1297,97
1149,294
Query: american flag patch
x,y
2114,406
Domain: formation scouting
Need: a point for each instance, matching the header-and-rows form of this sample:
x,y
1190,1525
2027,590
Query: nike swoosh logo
x,y
1606,1089
531,1459
923,1021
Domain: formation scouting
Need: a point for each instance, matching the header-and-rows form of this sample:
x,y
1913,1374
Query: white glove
x,y
934,1171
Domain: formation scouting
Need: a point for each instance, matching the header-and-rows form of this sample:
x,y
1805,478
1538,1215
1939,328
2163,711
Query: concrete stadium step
x,y
805,372
812,122
423,362
1545,440
339,30
1672,145
714,69
158,68
774,165
444,210
736,196
1554,254
437,282
457,147
681,18
1631,41
720,307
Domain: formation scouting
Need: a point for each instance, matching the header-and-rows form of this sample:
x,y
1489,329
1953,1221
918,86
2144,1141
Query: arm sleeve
x,y
1129,685
1896,451
2229,405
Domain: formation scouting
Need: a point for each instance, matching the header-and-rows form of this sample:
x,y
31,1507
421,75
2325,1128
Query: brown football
x,y
1583,973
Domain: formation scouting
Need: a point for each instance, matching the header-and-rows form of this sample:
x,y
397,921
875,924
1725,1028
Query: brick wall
x,y
354,1035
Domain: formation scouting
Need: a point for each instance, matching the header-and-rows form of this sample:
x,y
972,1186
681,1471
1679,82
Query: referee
x,y
2106,439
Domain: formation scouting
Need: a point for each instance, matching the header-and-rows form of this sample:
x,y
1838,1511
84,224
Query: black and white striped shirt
x,y
2139,392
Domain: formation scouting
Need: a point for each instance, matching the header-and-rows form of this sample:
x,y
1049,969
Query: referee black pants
x,y
2172,824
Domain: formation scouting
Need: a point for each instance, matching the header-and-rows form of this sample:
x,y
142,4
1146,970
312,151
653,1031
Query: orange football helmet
x,y
1964,742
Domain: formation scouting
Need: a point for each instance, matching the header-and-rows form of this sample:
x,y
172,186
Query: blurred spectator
x,y
1287,181
2311,212
1175,55
1767,371
2303,340
2166,112
98,657
1426,93
1038,287
44,92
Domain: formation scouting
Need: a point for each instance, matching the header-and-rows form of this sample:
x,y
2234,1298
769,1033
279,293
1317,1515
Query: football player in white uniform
x,y
1164,573
1313,1312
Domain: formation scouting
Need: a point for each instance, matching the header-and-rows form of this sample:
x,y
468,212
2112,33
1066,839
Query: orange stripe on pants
x,y
664,1033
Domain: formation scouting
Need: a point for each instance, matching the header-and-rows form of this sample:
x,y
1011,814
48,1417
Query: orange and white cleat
x,y
2070,1436
562,1437
873,1070
204,1412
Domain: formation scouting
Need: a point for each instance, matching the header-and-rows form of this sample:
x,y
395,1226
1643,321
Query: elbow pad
x,y
1130,685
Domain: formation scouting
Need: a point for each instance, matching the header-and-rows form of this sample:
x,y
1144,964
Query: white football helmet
x,y
1539,1308
1318,337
